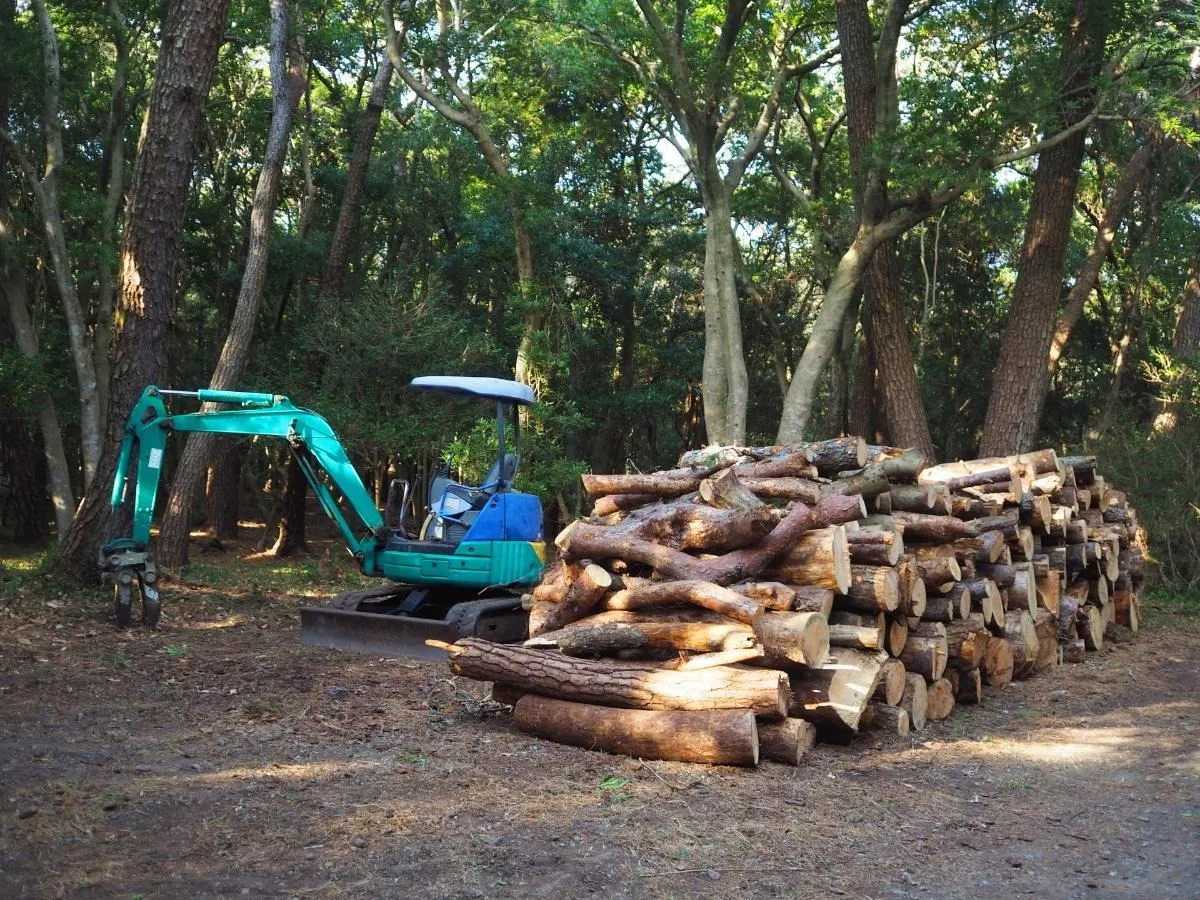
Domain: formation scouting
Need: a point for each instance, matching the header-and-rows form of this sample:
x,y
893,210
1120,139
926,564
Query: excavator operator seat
x,y
455,507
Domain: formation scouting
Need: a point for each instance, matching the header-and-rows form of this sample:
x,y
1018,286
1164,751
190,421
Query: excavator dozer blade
x,y
496,619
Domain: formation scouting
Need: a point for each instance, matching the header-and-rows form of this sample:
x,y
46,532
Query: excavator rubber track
x,y
345,625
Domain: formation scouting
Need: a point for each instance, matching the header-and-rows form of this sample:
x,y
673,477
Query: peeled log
x,y
925,656
891,683
785,740
703,594
939,700
587,585
763,691
579,540
915,701
997,665
820,558
875,547
834,695
727,738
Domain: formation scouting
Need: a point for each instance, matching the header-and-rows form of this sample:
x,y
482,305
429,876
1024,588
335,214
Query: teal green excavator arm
x,y
269,415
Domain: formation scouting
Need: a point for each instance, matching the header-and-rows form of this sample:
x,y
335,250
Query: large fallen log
x,y
726,738
630,686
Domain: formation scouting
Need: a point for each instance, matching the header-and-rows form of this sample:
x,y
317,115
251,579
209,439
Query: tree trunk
x,y
235,354
192,33
290,540
356,177
224,489
58,471
1014,408
726,738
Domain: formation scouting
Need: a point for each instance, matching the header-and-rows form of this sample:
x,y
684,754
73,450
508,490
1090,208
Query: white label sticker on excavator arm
x,y
155,459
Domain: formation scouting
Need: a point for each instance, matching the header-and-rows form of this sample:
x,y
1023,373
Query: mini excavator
x,y
461,576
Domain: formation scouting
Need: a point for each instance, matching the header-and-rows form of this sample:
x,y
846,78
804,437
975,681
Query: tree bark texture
x,y
1014,407
725,738
286,86
192,32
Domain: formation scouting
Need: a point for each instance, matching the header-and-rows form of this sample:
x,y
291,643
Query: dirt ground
x,y
217,757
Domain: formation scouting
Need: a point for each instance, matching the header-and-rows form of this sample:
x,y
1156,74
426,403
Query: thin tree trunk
x,y
1185,344
58,472
1130,326
1014,407
285,90
356,178
149,261
18,457
291,538
223,489
115,181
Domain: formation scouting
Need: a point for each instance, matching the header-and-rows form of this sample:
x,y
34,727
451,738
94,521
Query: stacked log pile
x,y
755,599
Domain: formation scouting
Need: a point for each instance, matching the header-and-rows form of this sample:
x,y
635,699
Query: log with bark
x,y
610,633
834,695
726,738
630,686
587,584
872,588
703,594
997,665
785,740
939,700
820,558
915,701
891,682
926,656
875,546
889,719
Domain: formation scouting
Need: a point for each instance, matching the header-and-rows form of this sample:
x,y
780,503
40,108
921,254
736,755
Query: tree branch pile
x,y
757,598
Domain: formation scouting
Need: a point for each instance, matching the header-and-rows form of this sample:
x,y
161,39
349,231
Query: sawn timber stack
x,y
755,599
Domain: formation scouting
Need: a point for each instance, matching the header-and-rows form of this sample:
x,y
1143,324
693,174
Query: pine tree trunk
x,y
1014,407
235,354
291,538
223,489
356,178
192,33
19,459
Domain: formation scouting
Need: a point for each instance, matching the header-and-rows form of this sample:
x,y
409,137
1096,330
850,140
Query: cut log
x,y
703,594
937,571
1004,576
587,585
771,594
834,695
1035,510
610,633
810,598
579,540
1068,609
781,489
1090,624
889,719
1022,593
891,683
1125,609
838,509
696,527
900,466
660,484
864,632
1098,591
875,546
837,454
941,529
896,635
871,588
913,497
926,656
941,607
795,638
820,558
708,660
789,462
614,503
882,503
871,481
1022,637
912,588
1049,591
726,491
728,738
915,701
1046,627
763,691
939,700
785,740
997,665
967,684
967,641
1074,651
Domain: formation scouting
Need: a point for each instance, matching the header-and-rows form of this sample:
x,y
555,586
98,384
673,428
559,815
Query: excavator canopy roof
x,y
487,388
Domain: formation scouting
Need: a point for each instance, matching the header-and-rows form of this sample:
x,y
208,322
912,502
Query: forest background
x,y
970,227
